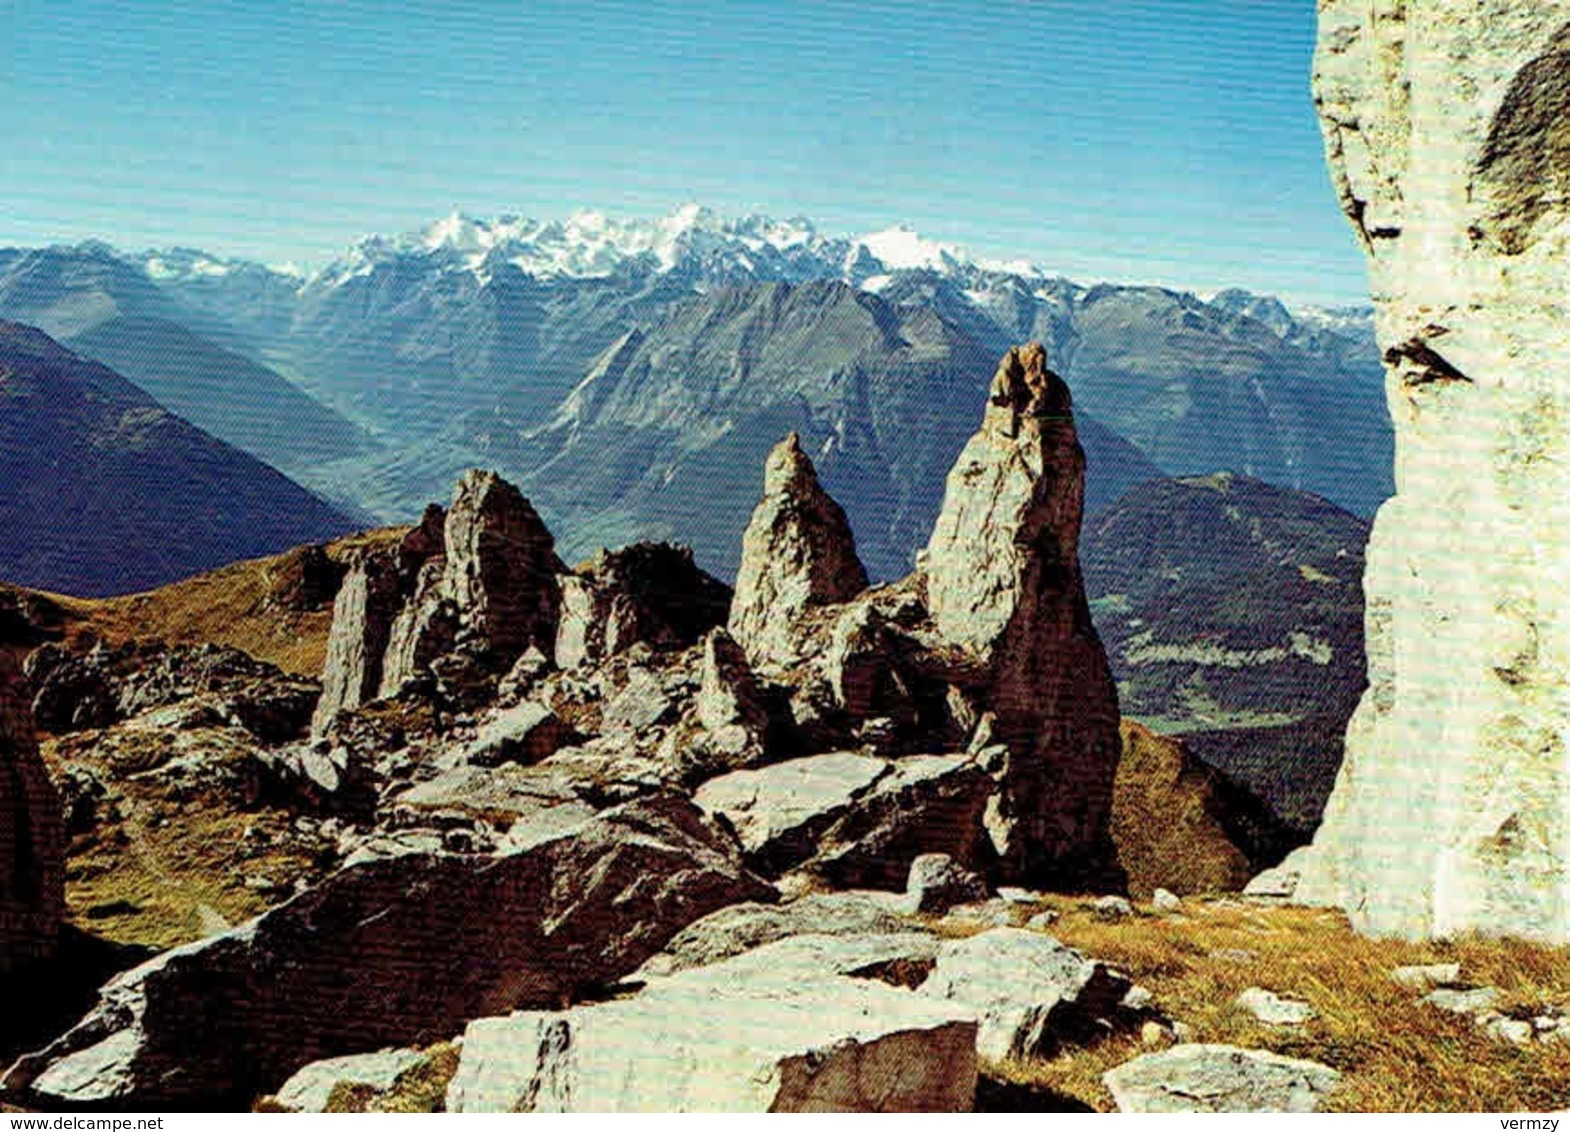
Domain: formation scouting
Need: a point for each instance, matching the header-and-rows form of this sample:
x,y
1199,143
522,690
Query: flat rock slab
x,y
1427,977
1219,1078
778,811
833,1045
1472,1003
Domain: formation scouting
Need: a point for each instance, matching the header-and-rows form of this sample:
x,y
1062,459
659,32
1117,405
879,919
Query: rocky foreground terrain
x,y
621,838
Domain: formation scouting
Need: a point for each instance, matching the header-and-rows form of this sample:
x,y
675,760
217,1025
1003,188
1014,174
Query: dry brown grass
x,y
245,605
1164,820
1395,1054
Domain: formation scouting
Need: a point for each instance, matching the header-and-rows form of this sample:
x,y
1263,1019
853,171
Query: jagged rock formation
x,y
32,833
370,600
546,820
1445,128
798,552
1003,583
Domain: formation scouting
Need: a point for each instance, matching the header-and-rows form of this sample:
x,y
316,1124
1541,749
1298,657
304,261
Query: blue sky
x,y
1160,140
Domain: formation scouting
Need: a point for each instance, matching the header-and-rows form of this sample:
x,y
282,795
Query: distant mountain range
x,y
632,373
1232,613
103,490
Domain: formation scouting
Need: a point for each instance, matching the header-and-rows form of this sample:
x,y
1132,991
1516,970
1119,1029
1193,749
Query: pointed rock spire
x,y
798,552
1003,582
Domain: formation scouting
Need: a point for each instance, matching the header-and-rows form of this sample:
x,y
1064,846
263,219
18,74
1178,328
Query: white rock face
x,y
1447,126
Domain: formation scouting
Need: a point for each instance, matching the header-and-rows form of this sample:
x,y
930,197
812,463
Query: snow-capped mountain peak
x,y
589,243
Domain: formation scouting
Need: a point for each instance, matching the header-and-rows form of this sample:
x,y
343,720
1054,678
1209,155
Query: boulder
x,y
32,833
525,733
854,820
825,1045
1219,1078
1443,124
1166,902
797,553
346,967
1113,907
1473,1003
745,927
1003,584
1031,992
1427,977
729,705
924,804
1278,883
936,883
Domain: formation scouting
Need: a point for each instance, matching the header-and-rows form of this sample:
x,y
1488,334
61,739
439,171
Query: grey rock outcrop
x,y
376,586
744,927
312,1088
937,883
481,576
728,704
797,553
424,629
1003,583
1444,129
32,833
1219,1078
526,733
346,967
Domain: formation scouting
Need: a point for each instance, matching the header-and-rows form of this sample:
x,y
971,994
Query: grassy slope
x,y
247,605
1395,1054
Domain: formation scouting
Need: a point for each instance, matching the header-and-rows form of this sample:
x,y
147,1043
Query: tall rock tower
x,y
1003,583
1447,128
